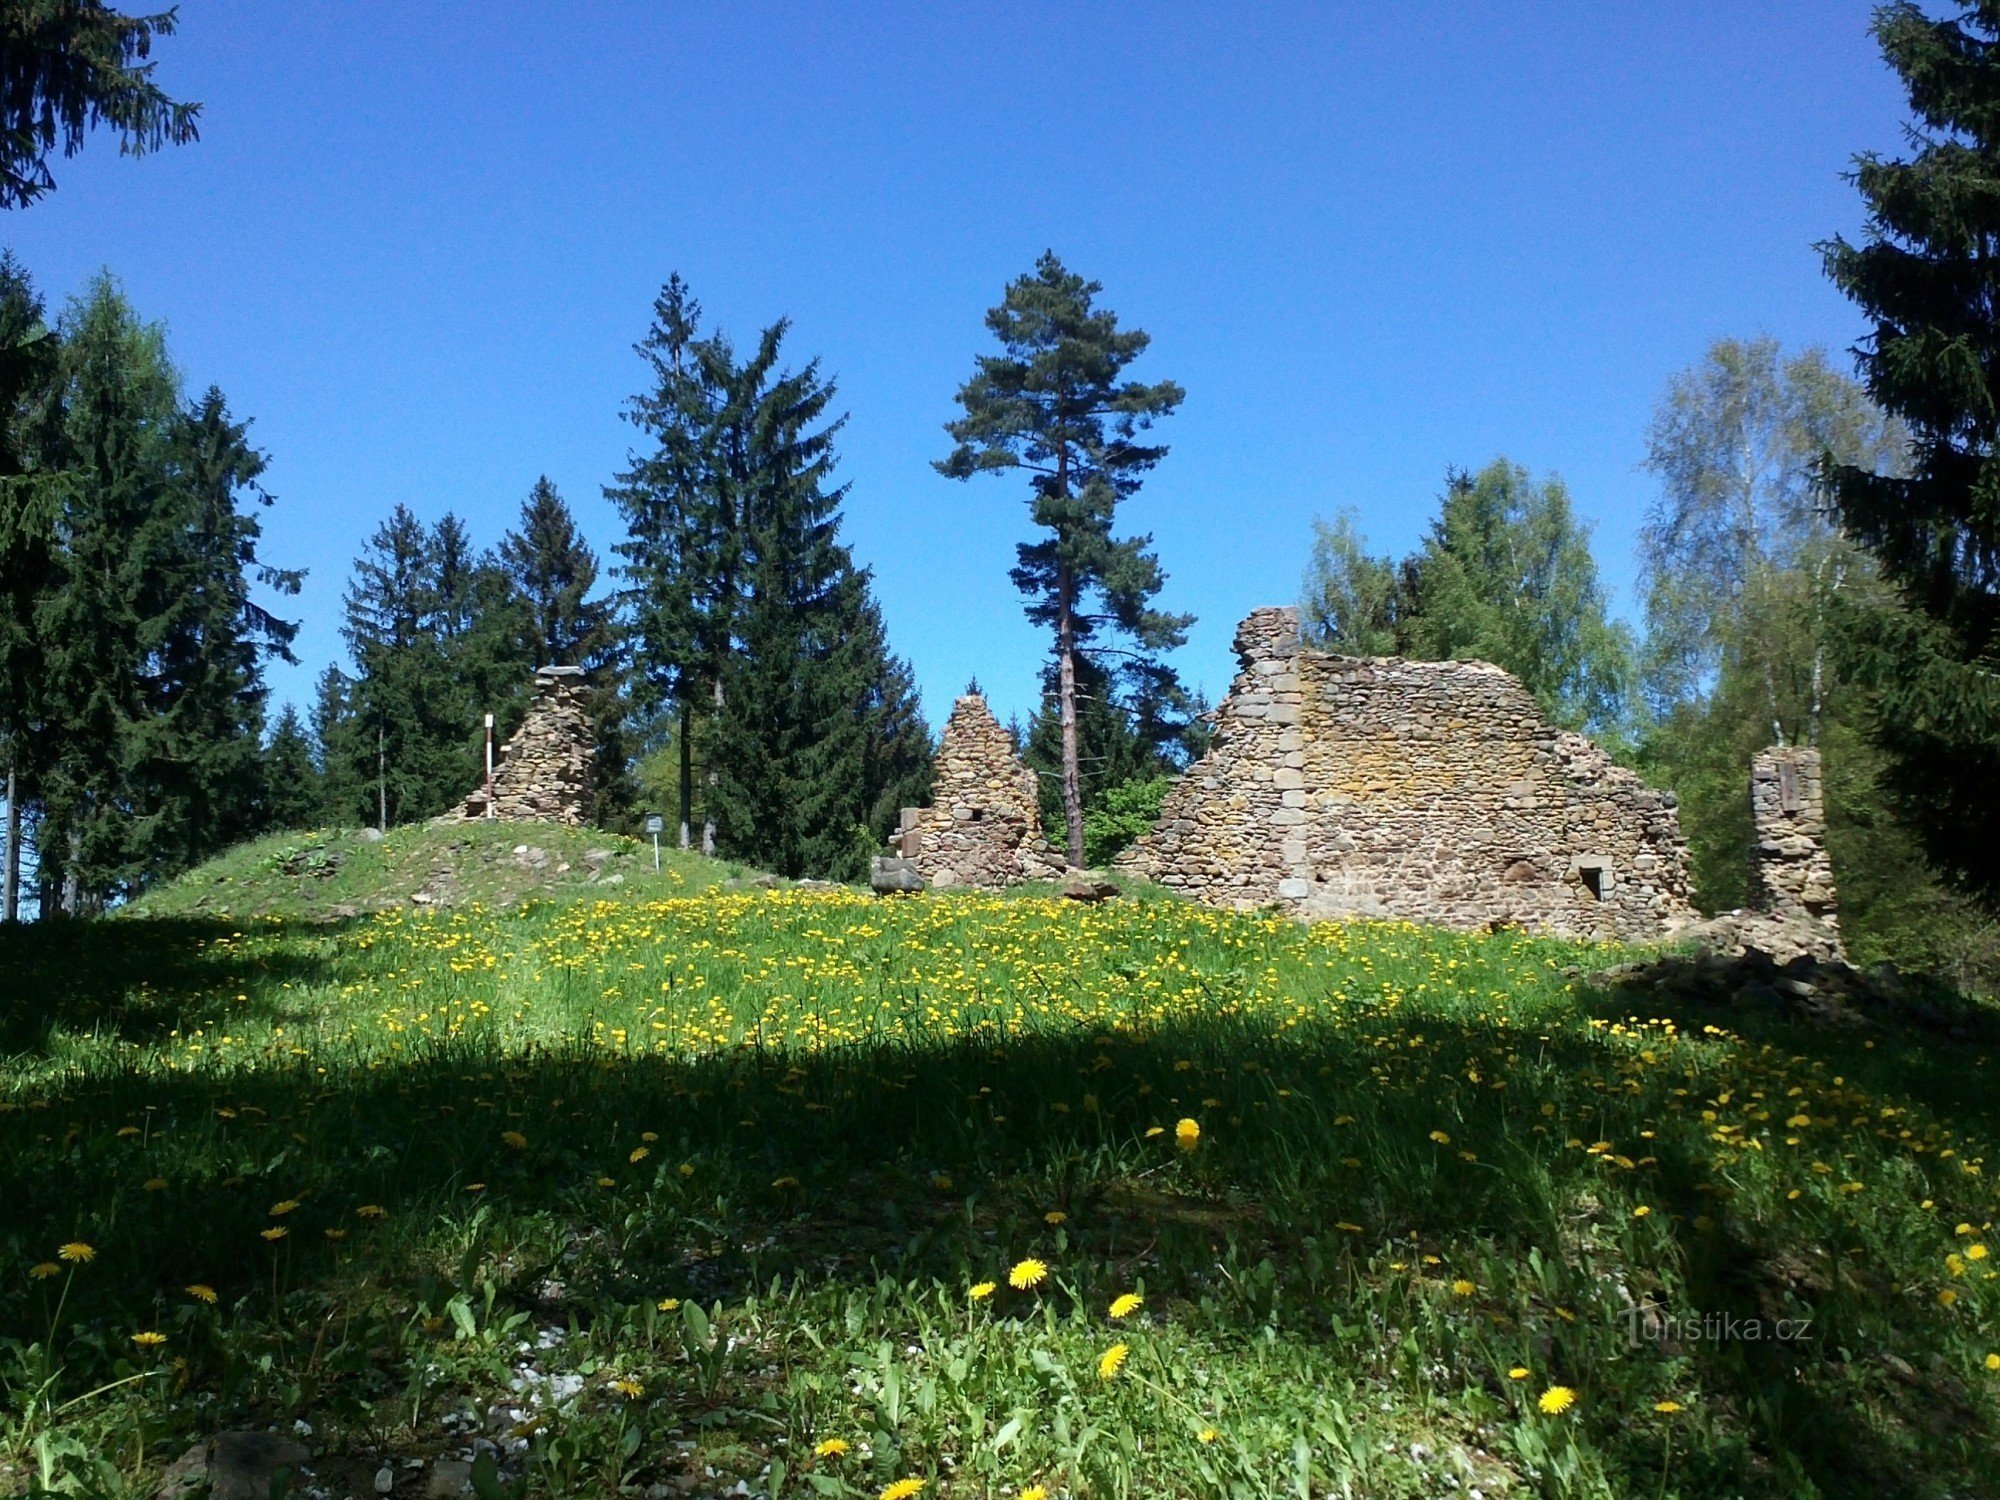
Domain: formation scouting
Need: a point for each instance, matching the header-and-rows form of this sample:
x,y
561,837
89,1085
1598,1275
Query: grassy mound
x,y
825,1194
337,873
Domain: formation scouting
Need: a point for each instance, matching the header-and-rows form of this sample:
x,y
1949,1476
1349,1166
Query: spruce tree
x,y
1054,403
554,572
811,687
1506,575
682,552
293,797
1926,276
69,66
28,508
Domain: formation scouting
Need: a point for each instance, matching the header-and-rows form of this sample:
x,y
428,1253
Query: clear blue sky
x,y
416,244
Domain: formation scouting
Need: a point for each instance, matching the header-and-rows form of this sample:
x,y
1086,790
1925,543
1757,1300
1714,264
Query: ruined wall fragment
x,y
984,825
544,772
1433,791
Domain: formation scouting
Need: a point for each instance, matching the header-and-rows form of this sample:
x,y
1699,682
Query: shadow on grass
x,y
138,980
1330,1165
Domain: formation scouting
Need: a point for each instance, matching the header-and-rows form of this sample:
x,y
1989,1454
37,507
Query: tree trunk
x,y
687,775
708,810
10,897
381,778
1072,787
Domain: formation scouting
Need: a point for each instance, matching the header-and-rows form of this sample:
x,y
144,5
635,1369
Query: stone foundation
x,y
544,773
984,825
1432,791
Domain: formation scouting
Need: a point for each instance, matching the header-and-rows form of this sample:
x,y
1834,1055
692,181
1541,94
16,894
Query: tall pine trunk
x,y
10,898
1072,785
708,808
687,774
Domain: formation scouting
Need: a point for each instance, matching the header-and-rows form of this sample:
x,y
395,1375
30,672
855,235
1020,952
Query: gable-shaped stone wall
x,y
1433,791
984,824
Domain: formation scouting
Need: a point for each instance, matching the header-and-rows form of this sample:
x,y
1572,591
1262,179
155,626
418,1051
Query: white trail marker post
x,y
654,823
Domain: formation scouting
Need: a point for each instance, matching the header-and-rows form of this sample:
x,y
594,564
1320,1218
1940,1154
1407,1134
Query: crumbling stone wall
x,y
543,774
1433,791
984,824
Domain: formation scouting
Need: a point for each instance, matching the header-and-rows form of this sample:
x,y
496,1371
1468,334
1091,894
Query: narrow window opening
x,y
1595,880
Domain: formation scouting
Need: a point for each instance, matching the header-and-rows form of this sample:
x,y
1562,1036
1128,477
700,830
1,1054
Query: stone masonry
x,y
1433,791
984,824
544,773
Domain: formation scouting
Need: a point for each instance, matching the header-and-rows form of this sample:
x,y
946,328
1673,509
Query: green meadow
x,y
686,1187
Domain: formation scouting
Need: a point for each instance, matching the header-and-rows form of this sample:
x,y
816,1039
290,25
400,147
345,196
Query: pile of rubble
x,y
1825,991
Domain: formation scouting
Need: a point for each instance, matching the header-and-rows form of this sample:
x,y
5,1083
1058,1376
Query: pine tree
x,y
1926,276
1053,403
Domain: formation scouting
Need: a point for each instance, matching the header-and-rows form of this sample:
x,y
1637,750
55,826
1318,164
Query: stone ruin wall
x,y
984,825
1432,791
544,773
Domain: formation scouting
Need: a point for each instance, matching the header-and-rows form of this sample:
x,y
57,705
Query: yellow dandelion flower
x,y
979,1291
1993,1361
149,1339
687,1169
1667,1406
77,1253
155,1184
639,1154
45,1270
628,1387
668,1304
607,1182
1462,1288
1519,1372
1975,1252
903,1489
1947,1297
1035,1492
336,1235
274,1234
201,1291
1026,1275
785,1182
1187,1135
279,1210
1054,1216
1207,1435
1641,1211
1125,1306
1556,1400
1112,1361
371,1211
1155,1130
515,1139
831,1448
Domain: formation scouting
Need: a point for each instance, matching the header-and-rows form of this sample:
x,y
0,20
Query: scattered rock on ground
x,y
894,876
1081,885
232,1466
